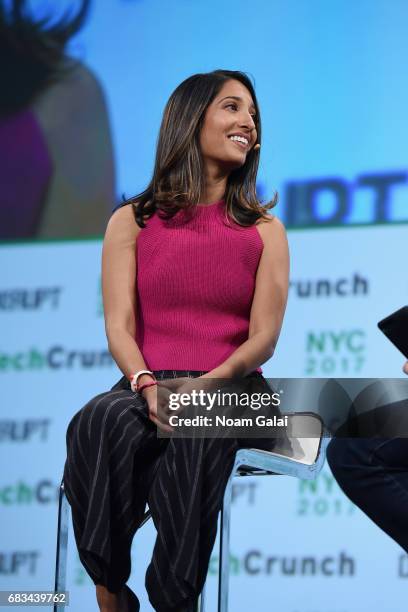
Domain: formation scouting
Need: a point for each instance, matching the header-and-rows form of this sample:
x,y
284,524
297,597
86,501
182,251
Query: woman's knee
x,y
107,405
101,412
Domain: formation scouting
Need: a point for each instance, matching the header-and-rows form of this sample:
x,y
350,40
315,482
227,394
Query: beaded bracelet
x,y
148,384
134,379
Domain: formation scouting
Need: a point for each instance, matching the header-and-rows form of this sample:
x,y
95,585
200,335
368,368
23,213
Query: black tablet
x,y
395,327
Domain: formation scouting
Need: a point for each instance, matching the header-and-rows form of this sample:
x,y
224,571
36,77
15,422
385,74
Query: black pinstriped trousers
x,y
115,465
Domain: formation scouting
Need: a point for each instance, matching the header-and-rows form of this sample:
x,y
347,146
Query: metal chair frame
x,y
255,462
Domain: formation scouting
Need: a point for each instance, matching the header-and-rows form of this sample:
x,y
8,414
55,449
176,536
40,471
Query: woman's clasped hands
x,y
160,397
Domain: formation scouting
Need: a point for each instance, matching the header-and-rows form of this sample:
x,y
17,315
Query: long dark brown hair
x,y
32,52
178,178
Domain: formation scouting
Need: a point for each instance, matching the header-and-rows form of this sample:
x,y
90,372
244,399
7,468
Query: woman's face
x,y
230,113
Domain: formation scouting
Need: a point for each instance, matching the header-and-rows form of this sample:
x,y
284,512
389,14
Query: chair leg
x,y
223,572
62,546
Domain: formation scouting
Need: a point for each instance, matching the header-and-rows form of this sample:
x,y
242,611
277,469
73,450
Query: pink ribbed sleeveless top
x,y
195,285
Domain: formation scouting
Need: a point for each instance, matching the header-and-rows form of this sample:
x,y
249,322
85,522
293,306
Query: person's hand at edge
x,y
157,398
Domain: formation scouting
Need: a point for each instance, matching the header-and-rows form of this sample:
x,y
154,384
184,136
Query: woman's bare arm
x,y
120,307
119,290
268,305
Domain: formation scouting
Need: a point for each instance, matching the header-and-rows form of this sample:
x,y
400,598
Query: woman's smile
x,y
242,145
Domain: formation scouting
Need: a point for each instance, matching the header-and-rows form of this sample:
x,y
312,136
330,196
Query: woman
x,y
204,298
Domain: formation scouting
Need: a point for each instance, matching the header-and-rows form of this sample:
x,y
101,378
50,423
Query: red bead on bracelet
x,y
148,384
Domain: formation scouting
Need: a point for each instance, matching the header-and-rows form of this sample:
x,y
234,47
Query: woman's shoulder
x,y
127,212
270,227
122,224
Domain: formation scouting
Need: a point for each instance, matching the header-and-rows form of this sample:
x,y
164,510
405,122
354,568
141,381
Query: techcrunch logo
x,y
244,492
55,358
257,563
24,430
18,562
30,299
356,285
21,493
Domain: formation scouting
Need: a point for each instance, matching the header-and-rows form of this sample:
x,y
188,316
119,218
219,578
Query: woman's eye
x,y
253,115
